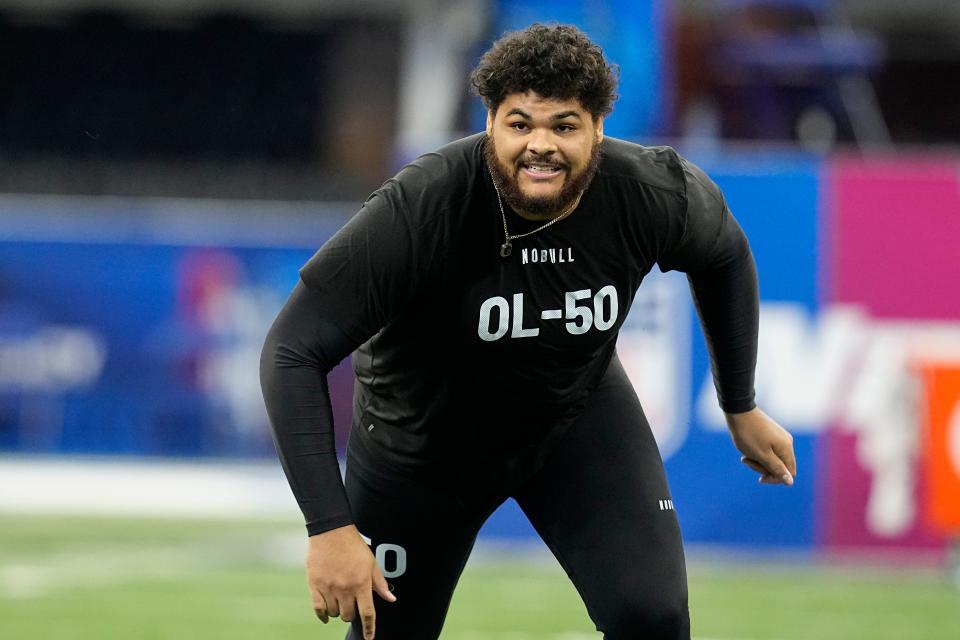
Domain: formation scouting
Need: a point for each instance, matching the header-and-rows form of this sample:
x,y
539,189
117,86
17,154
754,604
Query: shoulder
x,y
439,181
455,164
657,167
661,168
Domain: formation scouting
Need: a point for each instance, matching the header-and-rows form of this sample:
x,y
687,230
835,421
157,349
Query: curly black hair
x,y
555,61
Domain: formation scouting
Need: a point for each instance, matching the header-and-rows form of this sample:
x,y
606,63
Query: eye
x,y
518,126
565,128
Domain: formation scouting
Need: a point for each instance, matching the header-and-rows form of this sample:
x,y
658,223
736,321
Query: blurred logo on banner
x,y
51,358
654,349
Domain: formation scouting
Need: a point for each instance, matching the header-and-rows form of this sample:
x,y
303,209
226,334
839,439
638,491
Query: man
x,y
482,289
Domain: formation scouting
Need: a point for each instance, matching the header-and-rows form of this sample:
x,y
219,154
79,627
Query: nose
x,y
541,143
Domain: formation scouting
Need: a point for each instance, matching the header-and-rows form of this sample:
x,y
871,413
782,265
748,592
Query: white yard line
x,y
41,576
205,489
45,576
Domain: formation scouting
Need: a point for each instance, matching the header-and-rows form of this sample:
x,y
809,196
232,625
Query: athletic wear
x,y
600,501
481,376
470,364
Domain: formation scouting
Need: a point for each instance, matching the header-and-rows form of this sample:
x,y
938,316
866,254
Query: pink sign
x,y
891,247
894,237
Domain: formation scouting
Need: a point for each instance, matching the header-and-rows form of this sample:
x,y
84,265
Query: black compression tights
x,y
599,503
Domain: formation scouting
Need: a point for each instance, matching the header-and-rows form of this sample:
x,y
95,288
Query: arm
x,y
301,347
727,301
714,252
357,283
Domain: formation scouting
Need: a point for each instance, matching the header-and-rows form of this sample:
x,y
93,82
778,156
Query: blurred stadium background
x,y
165,168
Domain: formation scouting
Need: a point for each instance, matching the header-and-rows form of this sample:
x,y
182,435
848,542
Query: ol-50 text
x,y
582,309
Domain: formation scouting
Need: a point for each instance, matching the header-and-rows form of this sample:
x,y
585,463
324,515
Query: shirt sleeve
x,y
715,254
301,347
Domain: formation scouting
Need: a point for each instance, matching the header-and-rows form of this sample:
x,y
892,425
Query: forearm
x,y
727,302
299,351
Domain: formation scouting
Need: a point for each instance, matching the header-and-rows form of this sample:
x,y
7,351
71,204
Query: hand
x,y
767,447
342,575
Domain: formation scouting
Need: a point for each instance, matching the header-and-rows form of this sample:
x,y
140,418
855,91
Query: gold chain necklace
x,y
507,248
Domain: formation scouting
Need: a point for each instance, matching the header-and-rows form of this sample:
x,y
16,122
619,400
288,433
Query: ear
x,y
489,122
599,129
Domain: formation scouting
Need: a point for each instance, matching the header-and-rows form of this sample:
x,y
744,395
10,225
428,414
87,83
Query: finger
x,y
320,608
765,476
333,608
774,466
348,609
769,478
753,464
785,453
382,588
368,614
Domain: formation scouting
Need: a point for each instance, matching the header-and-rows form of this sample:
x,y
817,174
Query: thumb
x,y
784,451
381,587
777,469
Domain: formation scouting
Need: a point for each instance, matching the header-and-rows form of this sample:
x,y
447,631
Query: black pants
x,y
600,502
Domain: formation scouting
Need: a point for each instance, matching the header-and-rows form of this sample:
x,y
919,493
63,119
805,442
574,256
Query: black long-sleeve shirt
x,y
467,360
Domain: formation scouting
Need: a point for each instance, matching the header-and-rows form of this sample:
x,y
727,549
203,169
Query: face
x,y
542,152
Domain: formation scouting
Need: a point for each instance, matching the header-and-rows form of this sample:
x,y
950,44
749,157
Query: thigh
x,y
602,504
421,536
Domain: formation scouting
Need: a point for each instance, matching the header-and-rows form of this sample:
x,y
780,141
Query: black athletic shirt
x,y
470,364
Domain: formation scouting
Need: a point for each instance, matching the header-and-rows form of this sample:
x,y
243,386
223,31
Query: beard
x,y
539,206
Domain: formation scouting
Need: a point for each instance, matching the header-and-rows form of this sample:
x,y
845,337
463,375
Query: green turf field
x,y
66,579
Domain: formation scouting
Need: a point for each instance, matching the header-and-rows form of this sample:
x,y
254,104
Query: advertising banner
x,y
135,328
718,500
891,269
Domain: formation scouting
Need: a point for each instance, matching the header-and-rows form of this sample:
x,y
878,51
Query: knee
x,y
650,617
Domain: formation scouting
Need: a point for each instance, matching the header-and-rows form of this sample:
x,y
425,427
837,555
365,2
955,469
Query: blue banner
x,y
633,35
135,328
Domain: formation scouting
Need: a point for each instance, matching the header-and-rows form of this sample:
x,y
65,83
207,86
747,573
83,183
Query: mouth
x,y
541,170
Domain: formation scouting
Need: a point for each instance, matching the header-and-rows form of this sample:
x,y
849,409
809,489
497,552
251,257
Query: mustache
x,y
535,159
